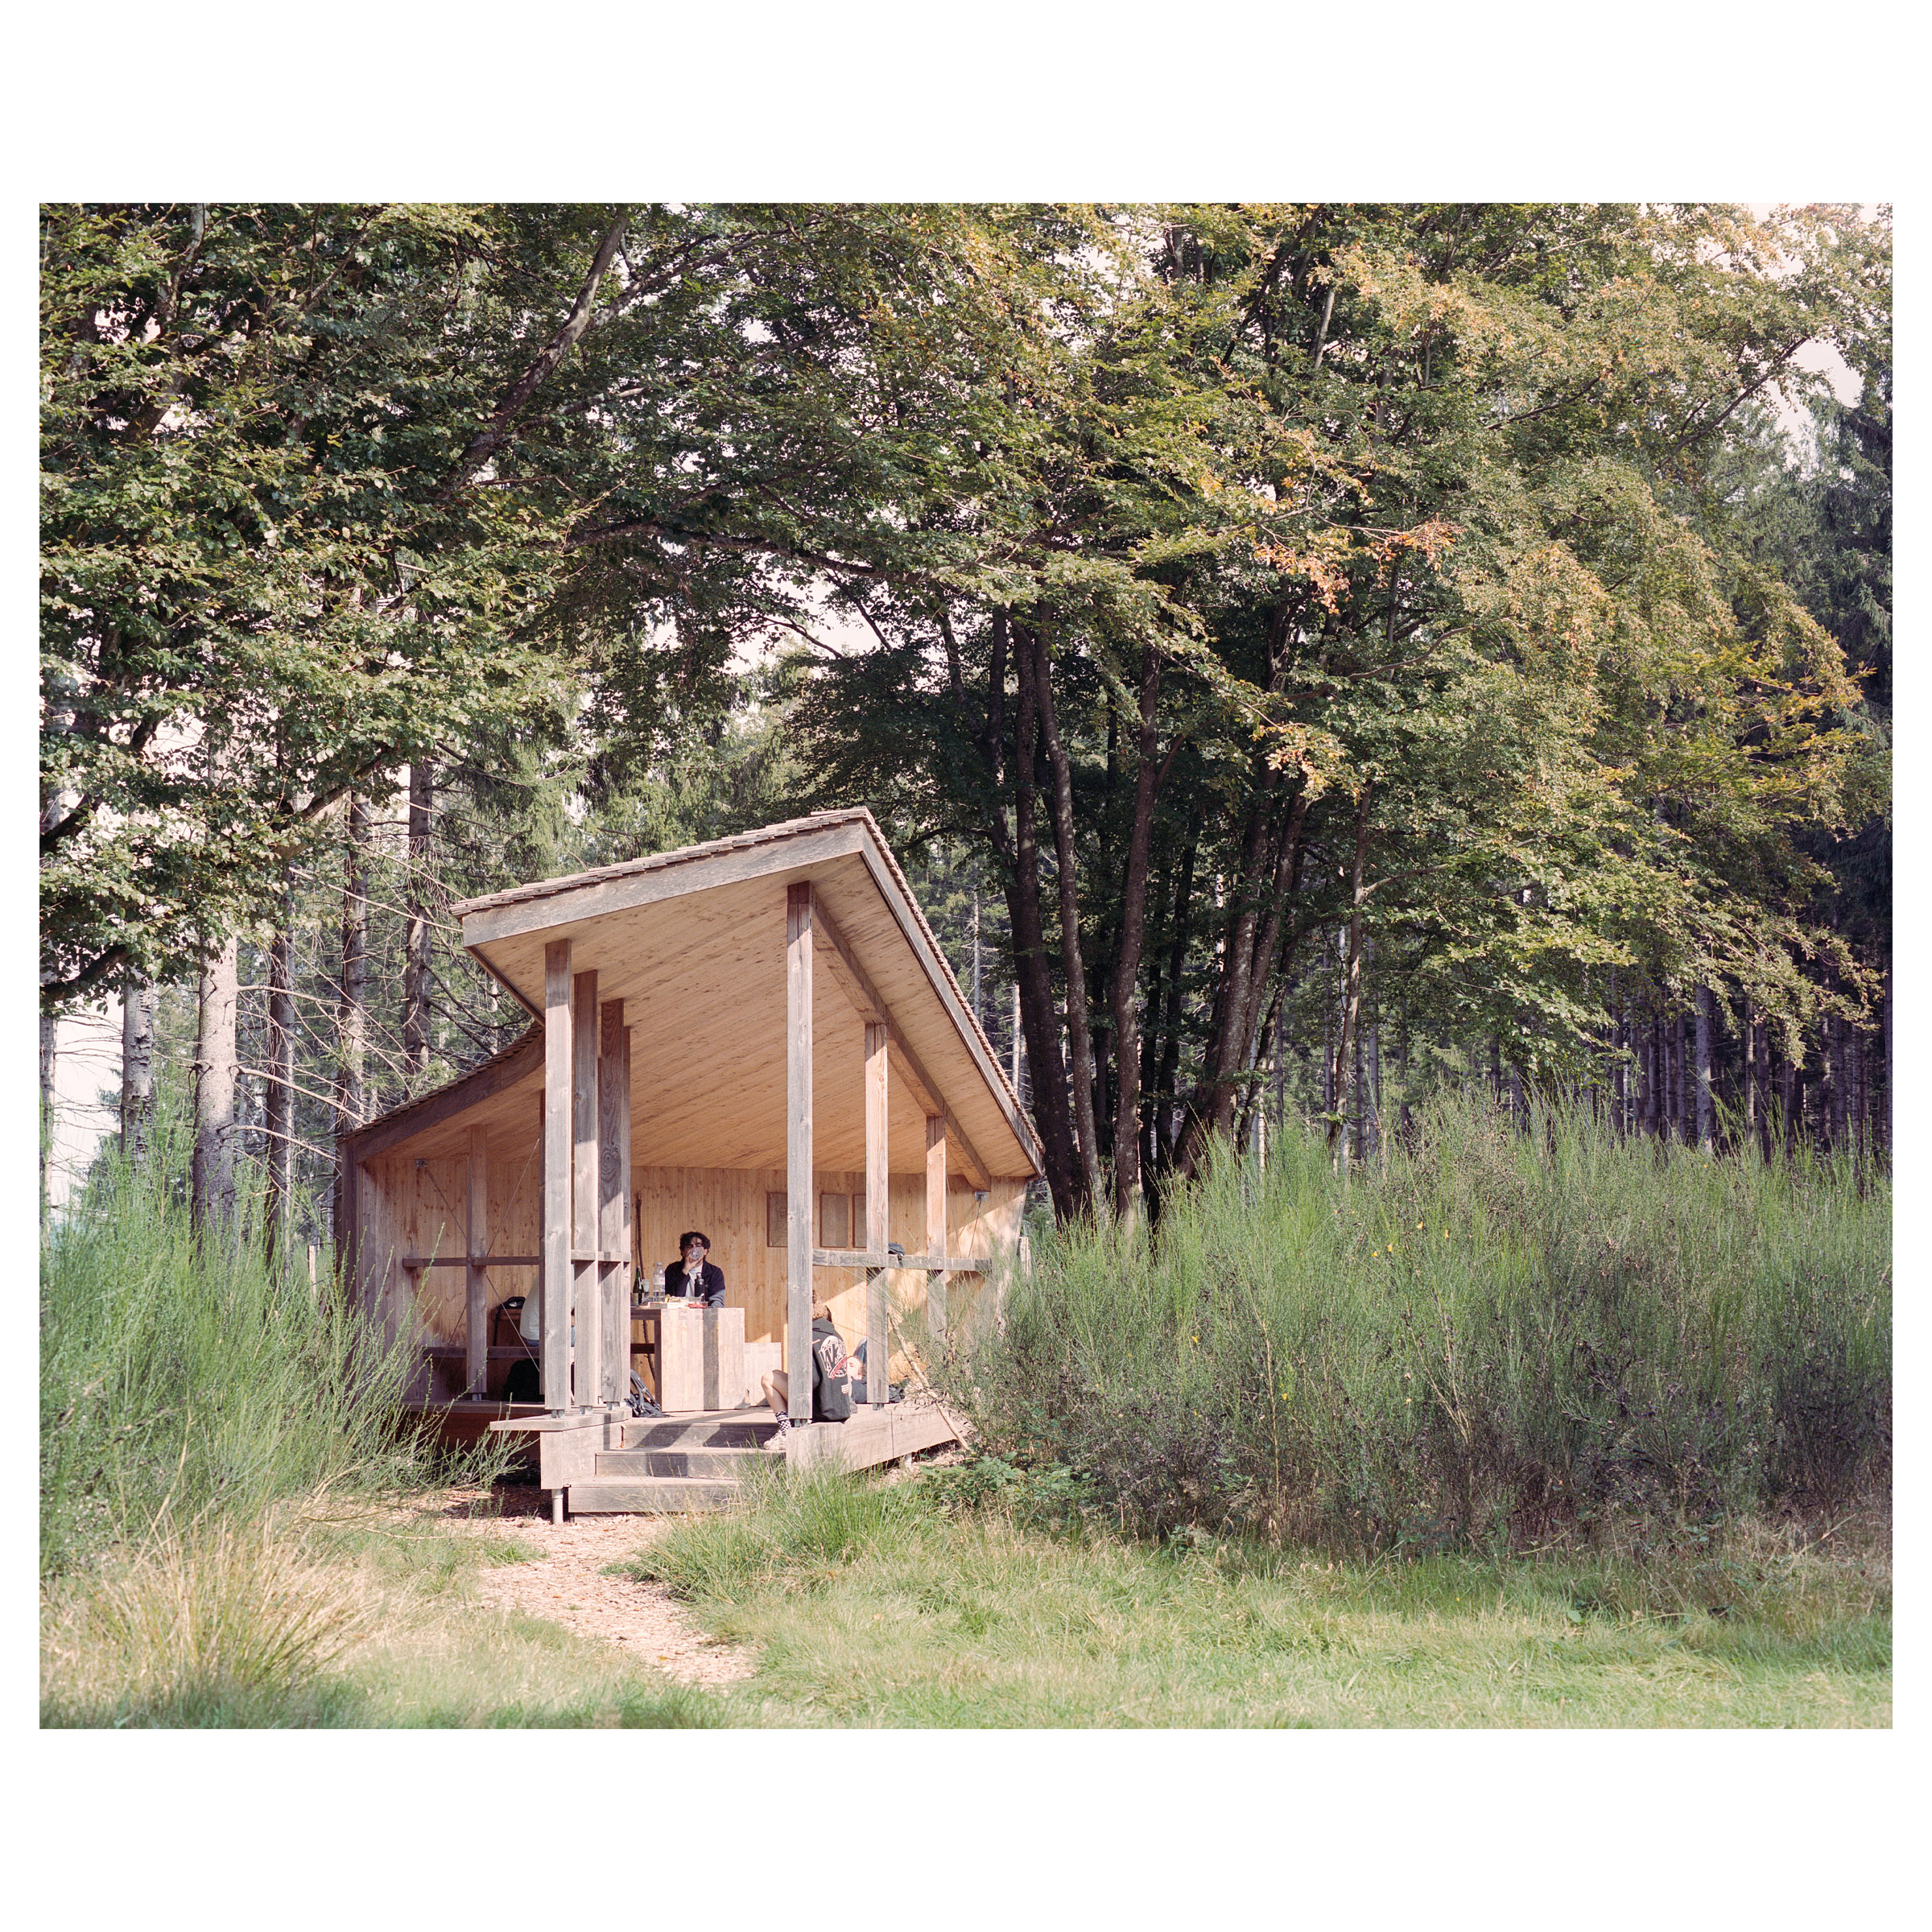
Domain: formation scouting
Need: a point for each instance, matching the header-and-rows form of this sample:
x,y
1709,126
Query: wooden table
x,y
696,1355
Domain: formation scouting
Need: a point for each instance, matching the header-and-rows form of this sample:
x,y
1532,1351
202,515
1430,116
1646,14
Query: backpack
x,y
641,1401
521,1384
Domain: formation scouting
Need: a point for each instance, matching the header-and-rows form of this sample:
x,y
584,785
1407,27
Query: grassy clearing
x,y
365,1621
1501,1339
1617,1366
886,1605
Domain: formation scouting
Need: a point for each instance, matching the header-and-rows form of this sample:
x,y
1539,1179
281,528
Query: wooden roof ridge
x,y
499,1071
769,835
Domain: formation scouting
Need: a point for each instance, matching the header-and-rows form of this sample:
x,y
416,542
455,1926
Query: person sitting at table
x,y
694,1278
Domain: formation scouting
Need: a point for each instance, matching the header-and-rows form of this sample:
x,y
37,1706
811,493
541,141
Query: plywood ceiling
x,y
702,976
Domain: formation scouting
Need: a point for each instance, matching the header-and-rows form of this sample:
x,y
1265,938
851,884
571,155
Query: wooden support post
x,y
475,1295
798,1150
556,1175
614,1195
586,1298
878,1346
936,1225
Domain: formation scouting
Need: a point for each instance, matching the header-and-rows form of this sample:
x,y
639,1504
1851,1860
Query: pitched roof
x,y
617,916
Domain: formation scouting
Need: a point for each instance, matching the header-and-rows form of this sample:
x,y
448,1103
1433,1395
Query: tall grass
x,y
184,1383
1500,1339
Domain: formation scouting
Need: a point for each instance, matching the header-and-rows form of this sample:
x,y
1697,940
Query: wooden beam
x,y
619,888
586,1300
907,916
798,1203
614,1195
865,1258
857,988
556,1242
876,1345
464,1260
433,1109
475,1296
936,1225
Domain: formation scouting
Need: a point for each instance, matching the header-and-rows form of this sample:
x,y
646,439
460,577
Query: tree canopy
x,y
1287,626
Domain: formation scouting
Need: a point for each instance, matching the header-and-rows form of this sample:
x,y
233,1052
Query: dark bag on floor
x,y
521,1384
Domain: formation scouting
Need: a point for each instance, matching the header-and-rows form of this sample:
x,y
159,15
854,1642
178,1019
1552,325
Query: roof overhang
x,y
693,942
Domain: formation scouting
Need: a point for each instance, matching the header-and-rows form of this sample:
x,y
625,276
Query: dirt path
x,y
566,1585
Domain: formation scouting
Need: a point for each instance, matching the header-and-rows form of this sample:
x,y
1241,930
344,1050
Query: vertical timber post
x,y
586,1299
935,1227
556,1175
798,1150
877,1347
613,1196
475,1294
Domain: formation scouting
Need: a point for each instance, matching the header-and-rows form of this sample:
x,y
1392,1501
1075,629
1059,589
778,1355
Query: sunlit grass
x,y
932,1619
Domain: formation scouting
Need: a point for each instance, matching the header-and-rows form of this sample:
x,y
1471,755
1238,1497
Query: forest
x,y
1387,709
1310,657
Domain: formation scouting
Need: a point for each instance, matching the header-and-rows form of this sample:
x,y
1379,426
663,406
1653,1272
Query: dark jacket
x,y
713,1278
830,1386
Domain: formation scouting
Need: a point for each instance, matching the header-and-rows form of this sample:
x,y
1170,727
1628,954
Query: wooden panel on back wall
x,y
734,1206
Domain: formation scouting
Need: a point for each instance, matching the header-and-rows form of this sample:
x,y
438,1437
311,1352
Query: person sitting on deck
x,y
830,1387
694,1278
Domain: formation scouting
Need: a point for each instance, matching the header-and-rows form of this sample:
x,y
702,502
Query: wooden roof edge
x,y
430,1109
980,1047
656,861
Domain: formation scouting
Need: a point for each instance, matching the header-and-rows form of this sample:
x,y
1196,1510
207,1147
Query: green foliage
x,y
1497,1339
182,1386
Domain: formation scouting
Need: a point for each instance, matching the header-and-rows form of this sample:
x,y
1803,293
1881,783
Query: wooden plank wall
x,y
409,1208
728,1205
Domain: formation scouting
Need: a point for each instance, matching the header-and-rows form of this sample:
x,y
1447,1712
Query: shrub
x,y
1496,1338
182,1383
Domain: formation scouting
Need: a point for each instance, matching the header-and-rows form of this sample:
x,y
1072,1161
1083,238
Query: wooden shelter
x,y
758,1037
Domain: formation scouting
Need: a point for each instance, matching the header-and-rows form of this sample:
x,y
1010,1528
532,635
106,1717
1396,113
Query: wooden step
x,y
648,1496
724,1465
719,1429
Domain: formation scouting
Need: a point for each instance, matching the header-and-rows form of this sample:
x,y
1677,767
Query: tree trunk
x,y
1038,1020
352,1006
49,1054
278,1099
1079,1037
1706,1030
1750,1068
1167,1081
1372,1118
137,1073
1127,959
214,1199
415,945
1352,994
1231,1028
1887,1116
